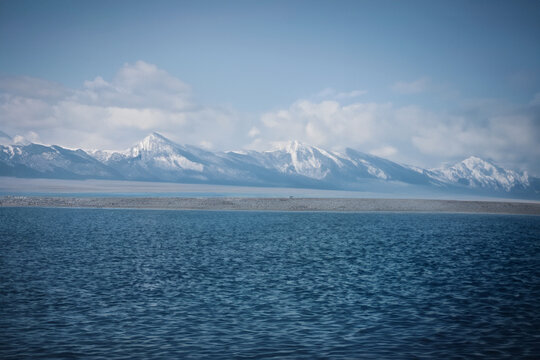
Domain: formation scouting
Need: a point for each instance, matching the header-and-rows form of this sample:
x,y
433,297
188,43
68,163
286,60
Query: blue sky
x,y
472,67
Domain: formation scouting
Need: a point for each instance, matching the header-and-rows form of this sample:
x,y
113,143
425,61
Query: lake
x,y
148,284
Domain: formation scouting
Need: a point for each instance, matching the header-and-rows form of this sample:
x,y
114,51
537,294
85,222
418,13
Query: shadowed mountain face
x,y
294,164
35,160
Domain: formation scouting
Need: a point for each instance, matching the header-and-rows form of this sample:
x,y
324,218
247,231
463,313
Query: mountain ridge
x,y
291,164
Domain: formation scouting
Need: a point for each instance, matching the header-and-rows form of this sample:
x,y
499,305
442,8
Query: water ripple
x,y
92,284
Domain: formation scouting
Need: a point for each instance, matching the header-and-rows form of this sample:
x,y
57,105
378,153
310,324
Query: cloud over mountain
x,y
105,113
509,134
141,97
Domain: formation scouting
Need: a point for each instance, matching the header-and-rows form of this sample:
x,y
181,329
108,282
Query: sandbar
x,y
277,204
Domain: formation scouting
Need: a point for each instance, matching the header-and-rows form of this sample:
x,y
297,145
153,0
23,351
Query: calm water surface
x,y
82,283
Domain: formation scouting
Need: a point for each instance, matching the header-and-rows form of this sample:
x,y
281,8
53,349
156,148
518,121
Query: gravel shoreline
x,y
277,204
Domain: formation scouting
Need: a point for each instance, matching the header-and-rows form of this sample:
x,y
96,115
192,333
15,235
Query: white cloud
x,y
113,114
385,151
410,134
28,87
206,145
138,85
141,98
330,93
350,94
413,87
253,132
325,123
326,93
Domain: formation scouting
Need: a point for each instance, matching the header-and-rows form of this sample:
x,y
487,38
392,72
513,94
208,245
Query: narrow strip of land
x,y
276,204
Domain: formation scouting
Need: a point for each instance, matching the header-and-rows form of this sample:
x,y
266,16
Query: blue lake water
x,y
87,283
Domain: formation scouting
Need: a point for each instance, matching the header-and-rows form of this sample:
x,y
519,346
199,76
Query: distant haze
x,y
420,83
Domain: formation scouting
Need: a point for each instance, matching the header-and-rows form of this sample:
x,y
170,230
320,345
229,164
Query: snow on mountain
x,y
298,164
102,155
36,160
383,169
164,153
160,159
301,159
475,172
292,164
153,158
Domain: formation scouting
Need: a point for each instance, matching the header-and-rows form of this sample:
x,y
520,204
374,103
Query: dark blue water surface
x,y
77,283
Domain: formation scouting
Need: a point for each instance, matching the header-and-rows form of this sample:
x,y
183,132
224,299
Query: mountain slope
x,y
387,170
474,172
35,160
300,159
159,159
153,158
293,164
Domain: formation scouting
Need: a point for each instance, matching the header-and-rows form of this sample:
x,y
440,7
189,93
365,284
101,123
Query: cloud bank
x,y
141,98
113,114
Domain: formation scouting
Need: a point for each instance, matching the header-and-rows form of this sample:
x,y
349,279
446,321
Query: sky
x,y
418,82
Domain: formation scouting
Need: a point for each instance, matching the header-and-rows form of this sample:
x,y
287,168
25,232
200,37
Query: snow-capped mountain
x,y
36,160
475,172
153,158
300,159
292,164
387,170
157,158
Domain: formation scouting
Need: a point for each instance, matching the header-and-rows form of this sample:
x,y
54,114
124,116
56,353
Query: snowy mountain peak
x,y
475,162
293,163
476,172
5,139
289,146
157,137
153,143
295,145
152,140
154,157
298,148
295,157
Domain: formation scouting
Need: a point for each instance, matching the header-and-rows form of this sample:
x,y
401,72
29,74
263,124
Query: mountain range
x,y
156,158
